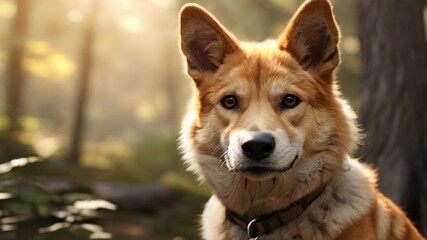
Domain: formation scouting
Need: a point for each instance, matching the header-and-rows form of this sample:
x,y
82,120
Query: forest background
x,y
92,95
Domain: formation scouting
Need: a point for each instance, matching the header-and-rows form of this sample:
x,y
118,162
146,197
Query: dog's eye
x,y
289,101
229,102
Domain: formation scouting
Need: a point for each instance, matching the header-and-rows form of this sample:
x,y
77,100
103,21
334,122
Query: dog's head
x,y
267,109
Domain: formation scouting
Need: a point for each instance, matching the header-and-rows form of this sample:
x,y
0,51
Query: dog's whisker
x,y
223,159
222,164
225,156
216,150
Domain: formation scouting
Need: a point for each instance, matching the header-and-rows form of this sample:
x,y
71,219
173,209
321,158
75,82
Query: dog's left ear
x,y
312,37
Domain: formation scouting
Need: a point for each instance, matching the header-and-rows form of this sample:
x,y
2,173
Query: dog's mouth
x,y
263,171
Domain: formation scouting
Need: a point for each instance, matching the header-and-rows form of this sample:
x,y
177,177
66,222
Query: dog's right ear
x,y
204,41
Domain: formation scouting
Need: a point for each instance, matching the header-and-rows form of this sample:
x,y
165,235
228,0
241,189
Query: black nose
x,y
259,146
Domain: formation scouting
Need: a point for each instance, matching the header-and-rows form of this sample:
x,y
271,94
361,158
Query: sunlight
x,y
60,214
92,227
145,112
101,235
5,195
7,228
45,62
37,47
30,123
97,231
19,162
75,15
7,9
36,67
45,146
11,220
131,24
54,66
94,204
55,227
350,44
61,65
165,3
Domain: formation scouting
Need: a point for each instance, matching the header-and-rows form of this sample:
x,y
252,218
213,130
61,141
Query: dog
x,y
269,132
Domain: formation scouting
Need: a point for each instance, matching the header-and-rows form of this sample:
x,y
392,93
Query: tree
x,y
16,79
82,90
393,107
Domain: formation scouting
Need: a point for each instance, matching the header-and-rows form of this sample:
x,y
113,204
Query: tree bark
x,y
82,91
16,76
393,106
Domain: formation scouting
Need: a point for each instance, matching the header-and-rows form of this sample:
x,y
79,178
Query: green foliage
x,y
11,147
158,152
29,211
74,212
179,219
13,144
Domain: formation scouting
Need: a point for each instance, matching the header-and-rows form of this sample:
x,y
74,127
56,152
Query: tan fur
x,y
320,132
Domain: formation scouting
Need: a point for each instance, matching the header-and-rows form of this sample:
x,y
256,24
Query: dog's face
x,y
267,109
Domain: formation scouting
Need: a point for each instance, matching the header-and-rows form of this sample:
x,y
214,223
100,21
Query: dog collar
x,y
269,223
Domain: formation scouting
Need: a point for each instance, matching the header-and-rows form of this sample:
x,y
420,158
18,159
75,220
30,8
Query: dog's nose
x,y
259,146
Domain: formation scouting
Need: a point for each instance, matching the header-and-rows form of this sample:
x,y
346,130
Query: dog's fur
x,y
319,132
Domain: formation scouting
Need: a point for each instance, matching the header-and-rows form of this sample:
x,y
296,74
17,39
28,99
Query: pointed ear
x,y
204,41
312,38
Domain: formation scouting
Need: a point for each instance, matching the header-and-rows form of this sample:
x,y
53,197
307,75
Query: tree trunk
x,y
83,85
16,79
393,107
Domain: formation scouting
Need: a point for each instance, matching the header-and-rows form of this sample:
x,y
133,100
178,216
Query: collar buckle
x,y
251,230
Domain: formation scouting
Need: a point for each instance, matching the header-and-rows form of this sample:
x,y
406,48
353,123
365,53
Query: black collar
x,y
268,223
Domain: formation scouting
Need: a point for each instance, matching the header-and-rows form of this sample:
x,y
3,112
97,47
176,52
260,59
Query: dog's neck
x,y
260,225
257,198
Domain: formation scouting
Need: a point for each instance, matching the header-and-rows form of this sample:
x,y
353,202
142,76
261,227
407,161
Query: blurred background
x,y
93,92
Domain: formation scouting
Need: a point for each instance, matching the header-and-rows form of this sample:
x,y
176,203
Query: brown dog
x,y
271,135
